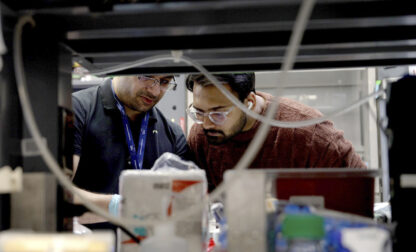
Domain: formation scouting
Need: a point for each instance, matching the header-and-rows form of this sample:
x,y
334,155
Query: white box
x,y
150,195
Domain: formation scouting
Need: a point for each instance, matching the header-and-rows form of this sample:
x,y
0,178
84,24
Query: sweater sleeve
x,y
334,150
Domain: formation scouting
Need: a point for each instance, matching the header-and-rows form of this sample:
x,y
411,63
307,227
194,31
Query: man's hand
x,y
102,200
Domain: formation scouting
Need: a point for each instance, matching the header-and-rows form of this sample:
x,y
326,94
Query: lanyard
x,y
136,157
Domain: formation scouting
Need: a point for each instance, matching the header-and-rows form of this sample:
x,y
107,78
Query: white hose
x,y
289,59
132,64
290,55
34,131
232,98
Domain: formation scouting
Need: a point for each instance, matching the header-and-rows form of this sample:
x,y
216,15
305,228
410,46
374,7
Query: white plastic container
x,y
164,240
145,193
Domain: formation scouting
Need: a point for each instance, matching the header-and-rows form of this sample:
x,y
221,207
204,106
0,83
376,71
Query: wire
x,y
289,59
34,131
290,55
136,63
130,234
232,98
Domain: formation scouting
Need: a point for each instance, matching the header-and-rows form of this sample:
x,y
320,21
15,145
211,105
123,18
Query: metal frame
x,y
229,35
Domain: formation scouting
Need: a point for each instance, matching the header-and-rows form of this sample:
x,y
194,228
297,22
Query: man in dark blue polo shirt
x,y
117,127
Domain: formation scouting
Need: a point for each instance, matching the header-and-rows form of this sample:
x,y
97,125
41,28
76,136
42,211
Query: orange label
x,y
180,185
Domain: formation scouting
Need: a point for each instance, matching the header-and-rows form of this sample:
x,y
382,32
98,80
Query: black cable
x,y
130,234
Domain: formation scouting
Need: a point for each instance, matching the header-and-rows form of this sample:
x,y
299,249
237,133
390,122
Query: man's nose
x,y
154,90
207,123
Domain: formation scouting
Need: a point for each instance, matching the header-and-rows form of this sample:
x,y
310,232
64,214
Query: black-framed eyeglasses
x,y
217,117
164,83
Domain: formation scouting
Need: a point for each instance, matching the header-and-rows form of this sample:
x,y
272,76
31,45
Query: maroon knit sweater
x,y
317,146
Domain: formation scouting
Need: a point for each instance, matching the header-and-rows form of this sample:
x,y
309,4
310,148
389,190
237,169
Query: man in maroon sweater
x,y
222,131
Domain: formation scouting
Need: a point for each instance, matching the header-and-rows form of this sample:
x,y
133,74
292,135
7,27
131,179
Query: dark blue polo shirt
x,y
101,143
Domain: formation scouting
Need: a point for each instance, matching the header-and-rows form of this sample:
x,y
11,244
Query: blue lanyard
x,y
136,157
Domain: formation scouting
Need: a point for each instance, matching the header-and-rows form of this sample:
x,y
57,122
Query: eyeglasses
x,y
217,117
164,83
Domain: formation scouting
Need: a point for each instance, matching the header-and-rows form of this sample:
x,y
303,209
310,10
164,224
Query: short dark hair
x,y
241,83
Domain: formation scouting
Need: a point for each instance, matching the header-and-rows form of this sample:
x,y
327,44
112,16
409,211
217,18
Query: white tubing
x,y
289,59
34,131
290,55
232,98
132,64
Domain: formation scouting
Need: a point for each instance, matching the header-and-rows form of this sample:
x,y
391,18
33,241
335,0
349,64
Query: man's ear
x,y
251,100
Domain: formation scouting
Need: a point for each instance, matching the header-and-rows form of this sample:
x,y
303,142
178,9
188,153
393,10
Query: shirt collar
x,y
109,102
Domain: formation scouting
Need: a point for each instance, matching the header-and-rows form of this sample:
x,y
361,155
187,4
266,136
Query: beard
x,y
215,139
221,137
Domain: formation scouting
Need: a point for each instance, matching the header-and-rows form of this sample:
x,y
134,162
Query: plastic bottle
x,y
304,232
164,240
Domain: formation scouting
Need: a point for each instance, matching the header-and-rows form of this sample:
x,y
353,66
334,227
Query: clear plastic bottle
x,y
304,232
